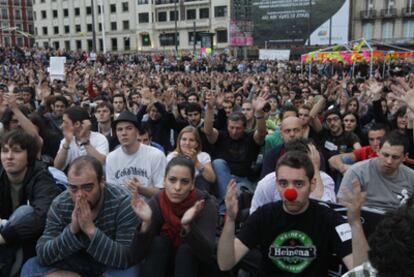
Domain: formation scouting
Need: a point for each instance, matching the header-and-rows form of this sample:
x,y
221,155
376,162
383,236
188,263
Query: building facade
x,y
16,23
389,21
130,25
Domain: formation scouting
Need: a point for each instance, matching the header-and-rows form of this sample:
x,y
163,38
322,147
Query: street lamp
x,y
175,25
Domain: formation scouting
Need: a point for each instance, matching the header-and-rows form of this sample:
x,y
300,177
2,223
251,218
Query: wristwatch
x,y
85,142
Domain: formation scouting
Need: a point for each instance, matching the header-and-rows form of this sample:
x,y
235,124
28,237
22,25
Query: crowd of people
x,y
152,165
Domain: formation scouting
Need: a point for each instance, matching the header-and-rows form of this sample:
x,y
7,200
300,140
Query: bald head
x,y
291,128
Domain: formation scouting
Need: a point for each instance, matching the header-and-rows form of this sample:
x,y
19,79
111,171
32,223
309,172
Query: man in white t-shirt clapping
x,y
135,165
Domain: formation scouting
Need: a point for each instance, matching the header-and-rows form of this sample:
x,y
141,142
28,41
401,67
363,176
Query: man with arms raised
x,y
296,235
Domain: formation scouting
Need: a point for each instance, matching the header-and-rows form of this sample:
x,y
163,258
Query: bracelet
x,y
65,147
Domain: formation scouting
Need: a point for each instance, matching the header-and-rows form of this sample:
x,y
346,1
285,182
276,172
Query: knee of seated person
x,y
219,162
19,213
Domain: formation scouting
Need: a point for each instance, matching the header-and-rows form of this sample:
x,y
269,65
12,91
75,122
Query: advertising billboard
x,y
290,21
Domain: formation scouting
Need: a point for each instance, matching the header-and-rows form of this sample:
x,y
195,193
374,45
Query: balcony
x,y
389,13
407,11
368,14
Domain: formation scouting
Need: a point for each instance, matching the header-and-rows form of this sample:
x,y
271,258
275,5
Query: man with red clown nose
x,y
296,236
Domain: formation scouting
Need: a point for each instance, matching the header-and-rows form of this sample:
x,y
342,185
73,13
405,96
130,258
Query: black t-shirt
x,y
333,145
296,245
239,154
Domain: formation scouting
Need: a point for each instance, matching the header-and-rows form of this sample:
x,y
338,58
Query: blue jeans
x,y
223,173
32,268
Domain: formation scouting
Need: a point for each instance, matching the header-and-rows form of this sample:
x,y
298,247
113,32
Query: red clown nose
x,y
290,194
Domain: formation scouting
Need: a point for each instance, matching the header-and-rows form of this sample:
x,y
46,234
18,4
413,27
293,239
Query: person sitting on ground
x,y
26,191
386,180
178,229
134,164
189,144
296,235
78,139
342,162
235,149
89,228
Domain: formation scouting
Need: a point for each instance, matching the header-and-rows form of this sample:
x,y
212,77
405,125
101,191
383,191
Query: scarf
x,y
172,214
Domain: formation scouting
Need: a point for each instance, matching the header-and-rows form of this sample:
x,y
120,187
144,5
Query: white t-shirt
x,y
266,191
202,157
147,165
97,140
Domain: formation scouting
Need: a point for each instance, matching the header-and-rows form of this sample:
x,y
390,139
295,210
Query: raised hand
x,y
11,100
192,212
260,101
232,205
353,201
85,129
141,208
375,89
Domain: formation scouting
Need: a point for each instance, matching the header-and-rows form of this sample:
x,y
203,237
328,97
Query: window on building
x,y
67,29
221,36
78,28
67,45
78,45
369,4
89,27
65,12
77,11
162,16
220,11
127,44
88,10
100,27
55,13
408,29
191,38
173,15
368,30
56,30
101,44
56,44
204,13
43,14
44,31
17,14
146,41
143,17
191,14
169,39
387,30
142,2
112,8
90,45
19,41
389,4
125,7
125,25
113,26
99,10
114,44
